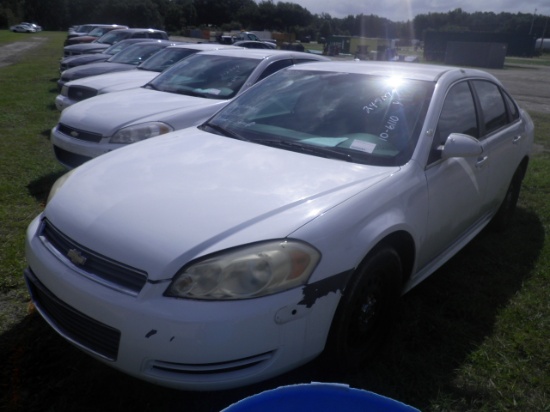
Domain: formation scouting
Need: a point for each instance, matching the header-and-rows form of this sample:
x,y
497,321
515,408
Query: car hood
x,y
87,46
84,39
93,69
105,114
117,81
86,58
160,203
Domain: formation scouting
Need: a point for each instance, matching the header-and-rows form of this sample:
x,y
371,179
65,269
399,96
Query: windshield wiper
x,y
223,131
322,151
193,93
151,86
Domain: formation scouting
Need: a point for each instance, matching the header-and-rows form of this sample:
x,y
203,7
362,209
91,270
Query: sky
x,y
403,10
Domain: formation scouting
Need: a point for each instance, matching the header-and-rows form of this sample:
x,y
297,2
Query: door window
x,y
492,106
458,115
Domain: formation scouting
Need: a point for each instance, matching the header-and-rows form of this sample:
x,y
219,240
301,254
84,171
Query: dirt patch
x,y
11,52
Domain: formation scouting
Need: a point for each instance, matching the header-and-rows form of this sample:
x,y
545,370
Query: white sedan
x,y
286,225
23,28
82,89
183,95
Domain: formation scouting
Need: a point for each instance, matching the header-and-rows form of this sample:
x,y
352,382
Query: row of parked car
x,y
155,100
288,204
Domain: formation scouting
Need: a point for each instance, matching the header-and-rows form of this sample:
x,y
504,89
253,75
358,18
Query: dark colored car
x,y
112,37
81,59
127,59
94,34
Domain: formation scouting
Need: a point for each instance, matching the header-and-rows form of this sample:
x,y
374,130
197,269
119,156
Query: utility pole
x,y
533,22
543,34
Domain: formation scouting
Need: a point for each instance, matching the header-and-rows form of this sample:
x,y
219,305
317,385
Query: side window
x,y
299,61
275,67
492,105
512,108
458,115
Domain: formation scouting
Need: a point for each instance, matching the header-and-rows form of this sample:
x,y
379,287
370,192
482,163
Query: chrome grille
x,y
79,134
99,268
72,324
67,53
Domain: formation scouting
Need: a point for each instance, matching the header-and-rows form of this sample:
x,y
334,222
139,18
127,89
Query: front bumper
x,y
72,151
62,102
178,343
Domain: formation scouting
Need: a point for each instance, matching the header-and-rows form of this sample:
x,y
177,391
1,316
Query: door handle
x,y
517,139
481,161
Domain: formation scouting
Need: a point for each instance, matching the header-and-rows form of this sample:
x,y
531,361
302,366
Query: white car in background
x,y
77,90
23,28
184,95
286,225
126,59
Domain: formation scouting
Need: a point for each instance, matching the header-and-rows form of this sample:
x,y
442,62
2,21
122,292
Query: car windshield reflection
x,y
164,59
208,76
353,117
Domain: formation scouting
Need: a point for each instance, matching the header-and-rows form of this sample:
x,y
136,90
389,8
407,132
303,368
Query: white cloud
x,y
402,10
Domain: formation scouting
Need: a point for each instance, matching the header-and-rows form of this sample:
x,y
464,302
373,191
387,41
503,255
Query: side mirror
x,y
461,145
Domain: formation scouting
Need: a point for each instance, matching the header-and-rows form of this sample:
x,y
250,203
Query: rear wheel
x,y
366,311
502,218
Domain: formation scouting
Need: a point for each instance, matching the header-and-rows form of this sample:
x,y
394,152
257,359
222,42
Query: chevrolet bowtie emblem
x,y
74,134
76,257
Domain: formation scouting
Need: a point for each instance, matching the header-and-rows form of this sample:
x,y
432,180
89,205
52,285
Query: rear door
x,y
456,186
502,134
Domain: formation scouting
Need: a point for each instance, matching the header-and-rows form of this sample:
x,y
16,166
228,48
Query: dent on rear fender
x,y
317,290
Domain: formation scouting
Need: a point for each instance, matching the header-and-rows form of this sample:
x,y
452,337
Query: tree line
x,y
179,16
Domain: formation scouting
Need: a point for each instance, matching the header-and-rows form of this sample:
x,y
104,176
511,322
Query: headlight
x,y
258,270
135,133
58,184
65,91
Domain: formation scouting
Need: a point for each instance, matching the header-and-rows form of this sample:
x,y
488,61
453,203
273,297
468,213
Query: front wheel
x,y
366,311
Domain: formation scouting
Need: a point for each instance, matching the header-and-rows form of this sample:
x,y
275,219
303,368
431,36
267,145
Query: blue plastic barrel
x,y
318,397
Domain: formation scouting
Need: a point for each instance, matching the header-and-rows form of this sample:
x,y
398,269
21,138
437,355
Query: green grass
x,y
473,337
542,60
7,36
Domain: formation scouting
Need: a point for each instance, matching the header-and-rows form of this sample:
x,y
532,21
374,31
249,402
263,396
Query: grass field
x,y
473,337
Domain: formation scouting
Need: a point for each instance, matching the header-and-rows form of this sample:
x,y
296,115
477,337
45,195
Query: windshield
x,y
166,58
364,119
115,48
208,76
113,36
99,31
135,54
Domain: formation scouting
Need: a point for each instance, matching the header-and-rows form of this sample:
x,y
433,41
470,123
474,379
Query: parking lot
x,y
526,82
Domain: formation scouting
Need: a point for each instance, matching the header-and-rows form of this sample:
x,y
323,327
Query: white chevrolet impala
x,y
285,226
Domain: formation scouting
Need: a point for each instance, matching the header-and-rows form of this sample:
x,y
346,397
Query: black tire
x,y
504,215
365,312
